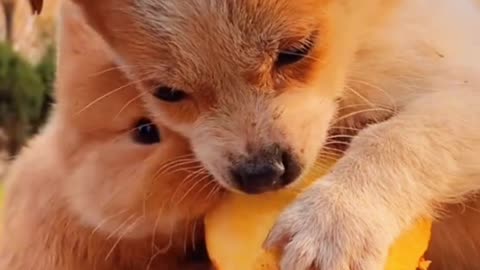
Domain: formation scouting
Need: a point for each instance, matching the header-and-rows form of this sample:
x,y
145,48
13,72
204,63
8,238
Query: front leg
x,y
393,173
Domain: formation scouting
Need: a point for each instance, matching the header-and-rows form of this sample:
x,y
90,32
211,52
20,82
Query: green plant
x,y
21,97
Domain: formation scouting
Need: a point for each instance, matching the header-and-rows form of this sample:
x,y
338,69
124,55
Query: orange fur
x,y
227,67
83,194
404,72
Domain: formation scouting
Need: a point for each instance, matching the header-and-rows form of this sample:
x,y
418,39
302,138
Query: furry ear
x,y
37,6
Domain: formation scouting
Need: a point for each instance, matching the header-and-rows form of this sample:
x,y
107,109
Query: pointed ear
x,y
36,6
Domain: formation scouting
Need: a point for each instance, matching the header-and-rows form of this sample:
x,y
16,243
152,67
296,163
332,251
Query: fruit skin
x,y
236,229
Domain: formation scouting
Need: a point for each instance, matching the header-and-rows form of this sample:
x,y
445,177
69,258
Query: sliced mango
x,y
236,229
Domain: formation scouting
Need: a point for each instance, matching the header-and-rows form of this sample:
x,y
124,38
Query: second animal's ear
x,y
37,6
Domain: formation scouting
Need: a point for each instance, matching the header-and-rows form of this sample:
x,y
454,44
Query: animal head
x,y
125,175
252,84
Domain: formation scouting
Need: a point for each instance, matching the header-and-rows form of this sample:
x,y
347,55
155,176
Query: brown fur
x,y
404,72
83,194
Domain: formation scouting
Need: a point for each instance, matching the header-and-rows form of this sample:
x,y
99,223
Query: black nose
x,y
267,170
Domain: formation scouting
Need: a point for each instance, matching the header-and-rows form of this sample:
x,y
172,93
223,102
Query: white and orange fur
x,y
84,194
401,76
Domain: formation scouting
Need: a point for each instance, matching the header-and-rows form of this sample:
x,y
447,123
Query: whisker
x,y
356,113
155,225
390,98
190,177
212,192
332,152
169,244
113,68
95,101
323,165
184,160
184,168
208,184
340,136
366,100
103,222
182,157
349,106
128,104
191,188
127,230
194,229
326,156
335,142
153,257
345,128
166,165
120,226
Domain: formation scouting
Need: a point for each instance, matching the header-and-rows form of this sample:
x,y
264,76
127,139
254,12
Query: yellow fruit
x,y
235,232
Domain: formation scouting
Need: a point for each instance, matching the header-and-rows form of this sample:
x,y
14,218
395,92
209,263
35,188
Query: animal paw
x,y
327,230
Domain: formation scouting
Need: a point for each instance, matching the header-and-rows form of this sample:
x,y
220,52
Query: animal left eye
x,y
146,132
295,54
169,94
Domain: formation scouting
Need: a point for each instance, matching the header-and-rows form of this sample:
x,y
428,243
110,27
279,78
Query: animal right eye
x,y
146,132
296,53
292,56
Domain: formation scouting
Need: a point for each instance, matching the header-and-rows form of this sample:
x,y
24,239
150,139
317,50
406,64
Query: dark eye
x,y
169,94
294,55
146,132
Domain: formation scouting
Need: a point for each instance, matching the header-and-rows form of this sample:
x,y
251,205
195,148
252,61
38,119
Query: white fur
x,y
426,155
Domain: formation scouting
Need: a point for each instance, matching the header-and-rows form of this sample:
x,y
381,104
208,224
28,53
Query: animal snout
x,y
266,170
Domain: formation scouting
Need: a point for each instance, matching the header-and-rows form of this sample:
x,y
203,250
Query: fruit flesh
x,y
236,229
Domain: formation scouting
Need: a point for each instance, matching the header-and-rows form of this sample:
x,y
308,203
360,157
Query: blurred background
x,y
27,70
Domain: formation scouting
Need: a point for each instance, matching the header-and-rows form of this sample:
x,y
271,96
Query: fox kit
x,y
261,87
102,187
